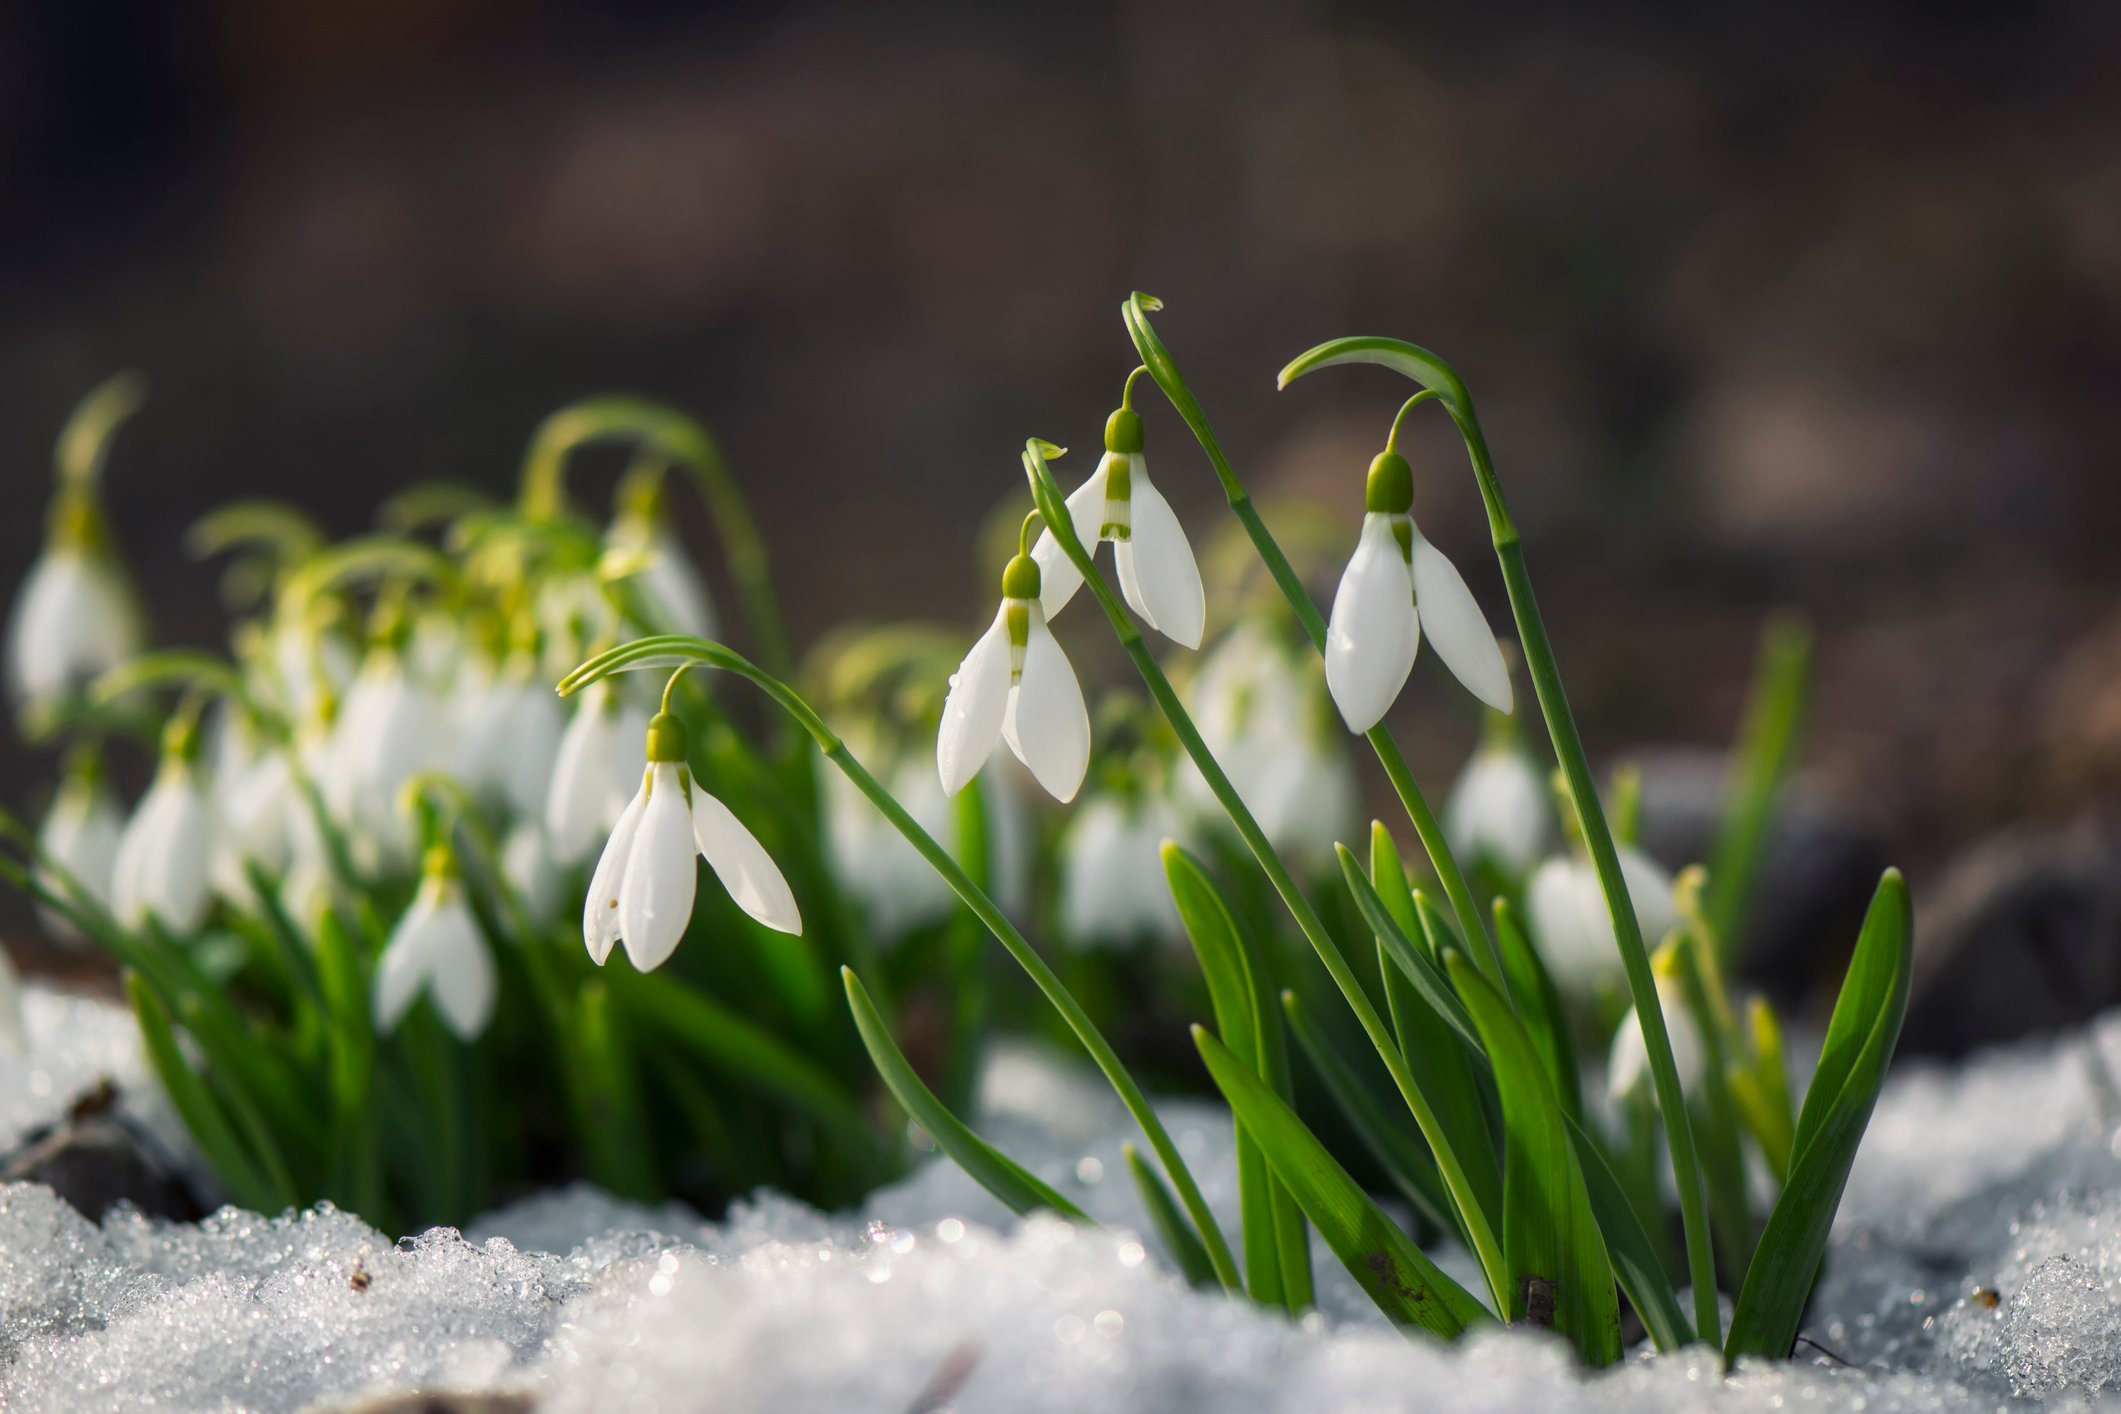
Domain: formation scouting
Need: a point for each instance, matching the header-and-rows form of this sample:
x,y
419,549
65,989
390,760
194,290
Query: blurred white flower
x,y
642,890
1112,889
1376,629
1573,929
1157,572
164,855
390,729
1016,685
672,588
74,619
511,738
79,836
595,773
1499,809
526,859
437,948
1629,1065
1260,707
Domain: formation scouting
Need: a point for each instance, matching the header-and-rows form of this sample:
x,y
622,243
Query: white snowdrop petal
x,y
1373,634
674,586
655,897
460,972
1047,725
72,621
1157,571
405,962
581,780
973,712
1058,577
600,908
1457,627
1650,891
743,865
1498,810
1629,1062
81,836
1571,927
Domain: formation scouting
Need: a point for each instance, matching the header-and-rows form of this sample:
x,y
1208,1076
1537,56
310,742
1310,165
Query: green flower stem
x,y
1472,922
677,650
1430,371
689,444
1478,1228
84,442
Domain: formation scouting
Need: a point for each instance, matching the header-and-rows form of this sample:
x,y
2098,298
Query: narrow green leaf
x,y
1007,1180
1767,744
1178,1236
1404,1159
627,1163
1636,1262
356,1165
1556,1255
1859,1047
1413,960
1717,1129
202,1114
1539,1006
1398,1276
1762,1089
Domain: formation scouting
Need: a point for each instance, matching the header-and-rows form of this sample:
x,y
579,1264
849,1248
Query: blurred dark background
x,y
1766,304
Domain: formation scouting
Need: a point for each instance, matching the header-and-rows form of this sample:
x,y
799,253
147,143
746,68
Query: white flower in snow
x,y
594,773
1574,930
1498,810
642,890
167,849
1112,885
1260,707
1629,1065
437,948
1395,584
1016,685
1157,571
79,837
75,618
390,729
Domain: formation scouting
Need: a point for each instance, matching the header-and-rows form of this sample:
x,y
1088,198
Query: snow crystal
x,y
1977,1264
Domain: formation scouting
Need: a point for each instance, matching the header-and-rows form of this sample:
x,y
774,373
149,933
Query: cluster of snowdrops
x,y
347,901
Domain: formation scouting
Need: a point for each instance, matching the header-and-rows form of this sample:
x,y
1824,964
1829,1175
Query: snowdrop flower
x,y
1573,929
1112,886
643,886
1260,708
1629,1065
594,773
674,591
164,855
1498,809
75,617
876,865
1157,571
528,865
1016,685
79,837
389,729
513,736
255,800
1375,628
437,948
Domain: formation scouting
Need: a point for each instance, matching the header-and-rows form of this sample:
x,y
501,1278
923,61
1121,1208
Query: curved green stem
x,y
1472,921
84,443
1434,374
686,442
1480,1230
674,650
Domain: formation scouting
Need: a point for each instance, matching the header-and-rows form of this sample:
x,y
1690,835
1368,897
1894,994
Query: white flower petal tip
x,y
1457,628
1628,1065
1047,724
437,948
600,908
1374,633
1157,571
164,859
974,711
754,881
655,897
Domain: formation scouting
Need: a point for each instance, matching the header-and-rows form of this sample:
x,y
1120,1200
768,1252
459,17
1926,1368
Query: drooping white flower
x,y
526,860
1397,584
1112,890
437,948
1574,930
389,729
594,773
1499,809
642,890
74,619
79,836
676,595
1261,709
875,865
1016,685
1629,1065
512,736
167,849
254,799
1157,572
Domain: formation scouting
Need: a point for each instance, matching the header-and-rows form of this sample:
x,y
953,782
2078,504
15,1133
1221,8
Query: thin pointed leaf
x,y
1556,1255
1636,1263
1399,1277
1177,1234
1413,960
1860,1041
202,1114
1539,1006
1021,1191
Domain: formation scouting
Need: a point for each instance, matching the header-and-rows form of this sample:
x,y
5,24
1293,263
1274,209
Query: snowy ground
x,y
1974,1268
